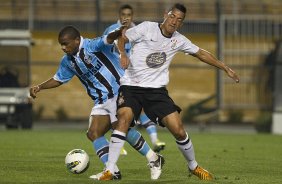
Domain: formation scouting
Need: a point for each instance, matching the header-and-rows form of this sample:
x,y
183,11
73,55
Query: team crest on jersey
x,y
156,60
87,59
120,99
173,43
72,64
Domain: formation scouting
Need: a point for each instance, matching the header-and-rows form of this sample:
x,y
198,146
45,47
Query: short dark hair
x,y
69,30
180,7
125,6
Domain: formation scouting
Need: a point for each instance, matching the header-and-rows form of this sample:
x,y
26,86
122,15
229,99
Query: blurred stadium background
x,y
243,33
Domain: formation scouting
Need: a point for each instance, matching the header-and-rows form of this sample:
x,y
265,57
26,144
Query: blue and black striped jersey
x,y
97,68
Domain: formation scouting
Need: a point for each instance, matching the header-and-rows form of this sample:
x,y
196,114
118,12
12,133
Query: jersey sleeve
x,y
111,28
64,73
107,31
97,44
188,47
136,33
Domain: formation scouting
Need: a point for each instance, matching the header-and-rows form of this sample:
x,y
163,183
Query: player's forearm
x,y
50,83
208,58
112,36
124,61
121,45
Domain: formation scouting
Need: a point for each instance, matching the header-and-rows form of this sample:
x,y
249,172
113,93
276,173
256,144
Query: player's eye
x,y
179,20
67,44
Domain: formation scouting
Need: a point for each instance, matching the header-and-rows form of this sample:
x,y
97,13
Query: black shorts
x,y
155,101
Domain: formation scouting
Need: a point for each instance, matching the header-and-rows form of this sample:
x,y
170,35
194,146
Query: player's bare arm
x,y
124,61
112,36
208,58
50,83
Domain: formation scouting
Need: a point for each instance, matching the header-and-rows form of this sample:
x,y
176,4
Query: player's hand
x,y
232,74
33,91
121,29
124,60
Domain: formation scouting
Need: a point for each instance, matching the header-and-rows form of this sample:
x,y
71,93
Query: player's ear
x,y
165,14
181,24
77,40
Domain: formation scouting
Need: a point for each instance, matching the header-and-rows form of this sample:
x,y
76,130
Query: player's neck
x,y
164,32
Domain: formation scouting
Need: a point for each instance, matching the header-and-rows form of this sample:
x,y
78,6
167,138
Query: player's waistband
x,y
143,88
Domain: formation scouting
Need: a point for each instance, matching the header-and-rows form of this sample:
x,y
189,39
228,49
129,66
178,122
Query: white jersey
x,y
151,55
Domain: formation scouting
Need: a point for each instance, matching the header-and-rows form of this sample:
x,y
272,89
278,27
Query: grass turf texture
x,y
38,157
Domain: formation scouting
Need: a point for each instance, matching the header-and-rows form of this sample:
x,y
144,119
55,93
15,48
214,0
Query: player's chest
x,y
164,45
83,64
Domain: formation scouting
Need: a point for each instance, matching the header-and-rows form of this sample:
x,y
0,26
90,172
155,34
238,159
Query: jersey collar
x,y
81,42
80,45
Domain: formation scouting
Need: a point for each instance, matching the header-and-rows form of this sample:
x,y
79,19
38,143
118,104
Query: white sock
x,y
151,156
154,138
187,149
116,144
116,169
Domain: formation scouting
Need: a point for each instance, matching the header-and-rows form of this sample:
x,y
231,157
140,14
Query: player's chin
x,y
171,30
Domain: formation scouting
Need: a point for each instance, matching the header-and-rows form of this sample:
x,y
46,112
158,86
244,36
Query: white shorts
x,y
107,108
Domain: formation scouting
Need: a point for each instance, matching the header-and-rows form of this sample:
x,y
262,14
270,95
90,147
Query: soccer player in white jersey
x,y
126,15
99,70
143,85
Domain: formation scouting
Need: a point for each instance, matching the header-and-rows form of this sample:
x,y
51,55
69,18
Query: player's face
x,y
68,45
126,16
172,22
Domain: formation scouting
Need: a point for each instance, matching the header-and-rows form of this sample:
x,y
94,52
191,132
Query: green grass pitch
x,y
37,156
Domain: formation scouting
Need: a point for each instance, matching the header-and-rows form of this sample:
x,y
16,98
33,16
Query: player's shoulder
x,y
149,23
149,26
177,34
65,60
89,42
180,36
86,42
111,28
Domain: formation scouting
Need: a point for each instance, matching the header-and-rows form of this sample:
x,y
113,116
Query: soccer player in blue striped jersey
x,y
126,15
99,70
